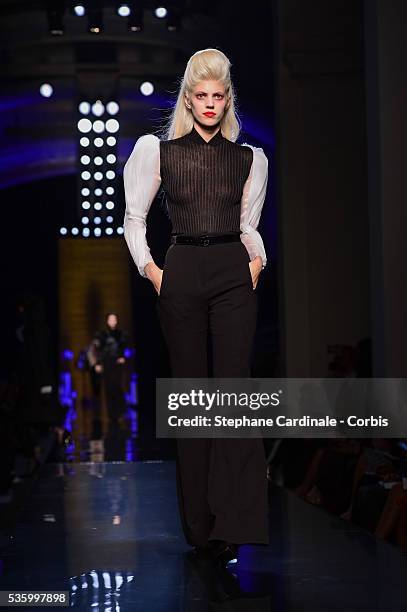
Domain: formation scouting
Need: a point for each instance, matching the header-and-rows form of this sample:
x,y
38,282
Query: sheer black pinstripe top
x,y
203,182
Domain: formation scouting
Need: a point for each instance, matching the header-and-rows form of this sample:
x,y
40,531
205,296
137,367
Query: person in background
x,y
108,356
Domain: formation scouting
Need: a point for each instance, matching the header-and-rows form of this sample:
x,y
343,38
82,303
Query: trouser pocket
x,y
165,269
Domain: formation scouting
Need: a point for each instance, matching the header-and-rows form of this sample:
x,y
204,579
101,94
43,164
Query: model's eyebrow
x,y
215,93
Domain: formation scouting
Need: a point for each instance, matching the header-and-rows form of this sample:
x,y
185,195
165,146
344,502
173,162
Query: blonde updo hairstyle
x,y
204,65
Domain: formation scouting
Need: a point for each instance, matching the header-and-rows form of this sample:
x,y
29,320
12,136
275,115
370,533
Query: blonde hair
x,y
207,64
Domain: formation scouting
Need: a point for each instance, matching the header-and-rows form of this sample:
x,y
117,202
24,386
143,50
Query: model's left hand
x,y
256,266
121,360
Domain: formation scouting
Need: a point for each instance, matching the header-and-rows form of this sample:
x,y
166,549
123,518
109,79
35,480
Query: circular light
x,y
111,141
46,90
85,231
75,231
85,142
98,206
109,219
112,125
85,191
120,230
84,125
85,175
110,175
123,10
98,191
160,12
146,88
85,159
97,231
97,220
98,142
84,108
98,176
63,231
98,109
86,205
110,205
85,220
98,126
112,108
109,190
109,231
79,10
111,158
98,161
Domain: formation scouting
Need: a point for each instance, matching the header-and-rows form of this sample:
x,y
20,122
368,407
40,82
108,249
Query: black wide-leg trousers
x,y
221,483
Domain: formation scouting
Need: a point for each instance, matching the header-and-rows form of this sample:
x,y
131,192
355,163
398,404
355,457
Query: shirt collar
x,y
195,136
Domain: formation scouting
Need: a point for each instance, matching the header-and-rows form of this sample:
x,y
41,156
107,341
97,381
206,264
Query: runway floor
x,y
108,532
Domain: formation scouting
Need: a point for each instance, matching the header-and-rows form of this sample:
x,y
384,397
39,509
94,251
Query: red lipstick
x,y
209,114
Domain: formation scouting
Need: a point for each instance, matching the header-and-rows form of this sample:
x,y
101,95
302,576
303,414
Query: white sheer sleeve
x,y
141,176
254,193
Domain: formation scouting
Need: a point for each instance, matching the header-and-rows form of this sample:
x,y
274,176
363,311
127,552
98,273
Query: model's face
x,y
112,320
207,102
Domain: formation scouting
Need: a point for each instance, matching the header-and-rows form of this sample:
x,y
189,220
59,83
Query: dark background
x,y
321,87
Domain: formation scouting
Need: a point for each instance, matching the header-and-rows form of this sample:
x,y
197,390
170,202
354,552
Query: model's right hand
x,y
155,275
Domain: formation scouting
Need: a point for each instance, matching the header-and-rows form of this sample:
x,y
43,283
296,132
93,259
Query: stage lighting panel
x,y
98,126
160,12
84,126
112,108
98,108
46,90
146,88
123,10
84,108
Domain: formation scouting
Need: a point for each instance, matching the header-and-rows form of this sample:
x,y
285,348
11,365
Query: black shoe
x,y
225,552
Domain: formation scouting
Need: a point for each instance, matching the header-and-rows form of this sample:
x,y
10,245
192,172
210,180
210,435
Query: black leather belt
x,y
205,240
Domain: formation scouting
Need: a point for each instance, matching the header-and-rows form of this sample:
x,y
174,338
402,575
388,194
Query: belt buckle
x,y
205,240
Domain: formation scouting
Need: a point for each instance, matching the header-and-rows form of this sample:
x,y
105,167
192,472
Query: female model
x,y
215,191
